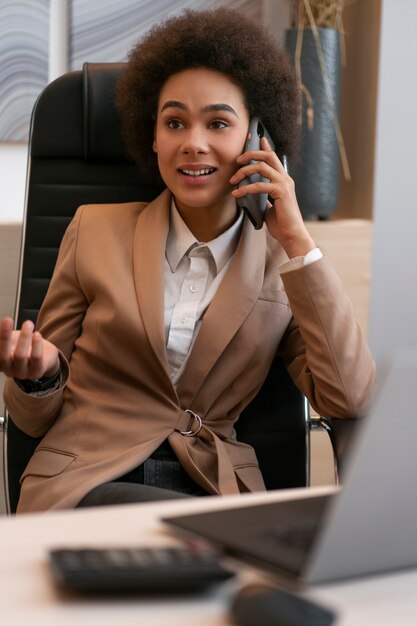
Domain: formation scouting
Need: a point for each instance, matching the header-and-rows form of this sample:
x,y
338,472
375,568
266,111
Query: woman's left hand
x,y
283,218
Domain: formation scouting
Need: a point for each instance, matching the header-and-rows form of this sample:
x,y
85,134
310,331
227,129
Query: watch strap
x,y
39,384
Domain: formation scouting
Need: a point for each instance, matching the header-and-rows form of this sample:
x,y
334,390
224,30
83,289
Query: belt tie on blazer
x,y
190,424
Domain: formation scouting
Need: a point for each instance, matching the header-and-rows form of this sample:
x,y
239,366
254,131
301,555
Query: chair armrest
x,y
341,433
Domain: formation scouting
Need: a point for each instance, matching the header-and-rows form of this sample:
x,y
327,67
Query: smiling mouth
x,y
203,172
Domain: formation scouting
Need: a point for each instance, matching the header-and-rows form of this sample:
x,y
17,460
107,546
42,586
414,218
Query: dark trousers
x,y
160,477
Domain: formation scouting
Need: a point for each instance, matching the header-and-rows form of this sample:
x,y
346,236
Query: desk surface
x,y
28,595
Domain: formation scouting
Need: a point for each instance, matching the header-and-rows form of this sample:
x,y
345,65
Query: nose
x,y
195,141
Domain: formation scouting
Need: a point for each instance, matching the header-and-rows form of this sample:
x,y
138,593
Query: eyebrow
x,y
221,106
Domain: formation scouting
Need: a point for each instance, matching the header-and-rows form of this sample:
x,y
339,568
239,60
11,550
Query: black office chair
x,y
77,157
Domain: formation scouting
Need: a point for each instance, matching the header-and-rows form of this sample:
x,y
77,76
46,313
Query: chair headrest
x,y
76,117
102,130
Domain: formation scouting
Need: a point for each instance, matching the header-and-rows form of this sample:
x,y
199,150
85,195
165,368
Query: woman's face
x,y
201,128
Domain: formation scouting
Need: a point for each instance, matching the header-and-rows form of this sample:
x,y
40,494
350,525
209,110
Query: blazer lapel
x,y
229,308
148,268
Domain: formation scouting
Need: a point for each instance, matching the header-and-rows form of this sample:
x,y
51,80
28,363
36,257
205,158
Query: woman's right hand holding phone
x,y
283,218
25,354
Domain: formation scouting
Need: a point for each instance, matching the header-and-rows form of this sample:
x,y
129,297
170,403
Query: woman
x,y
146,360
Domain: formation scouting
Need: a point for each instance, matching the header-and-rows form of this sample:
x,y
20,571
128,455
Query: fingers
x,y
264,162
275,185
6,330
265,154
22,351
6,325
36,362
259,167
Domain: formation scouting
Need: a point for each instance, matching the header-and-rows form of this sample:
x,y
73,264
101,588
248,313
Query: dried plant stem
x,y
305,91
342,43
342,150
310,107
326,13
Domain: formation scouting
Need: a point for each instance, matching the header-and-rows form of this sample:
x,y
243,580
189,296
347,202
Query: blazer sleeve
x,y
59,321
324,347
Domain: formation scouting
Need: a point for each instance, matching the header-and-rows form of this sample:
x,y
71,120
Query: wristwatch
x,y
39,384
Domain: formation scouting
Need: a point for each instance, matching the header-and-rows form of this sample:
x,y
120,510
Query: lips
x,y
204,171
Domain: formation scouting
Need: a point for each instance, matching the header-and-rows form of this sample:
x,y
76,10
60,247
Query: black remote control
x,y
189,567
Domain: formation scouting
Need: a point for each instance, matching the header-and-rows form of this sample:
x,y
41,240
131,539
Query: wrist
x,y
40,384
298,245
52,371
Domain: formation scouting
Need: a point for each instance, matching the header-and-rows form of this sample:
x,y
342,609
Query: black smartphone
x,y
254,205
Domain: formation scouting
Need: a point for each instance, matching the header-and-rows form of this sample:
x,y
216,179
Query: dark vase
x,y
316,174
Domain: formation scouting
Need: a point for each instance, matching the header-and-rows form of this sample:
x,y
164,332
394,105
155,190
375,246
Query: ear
x,y
154,148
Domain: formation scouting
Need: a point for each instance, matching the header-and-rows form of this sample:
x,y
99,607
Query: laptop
x,y
369,526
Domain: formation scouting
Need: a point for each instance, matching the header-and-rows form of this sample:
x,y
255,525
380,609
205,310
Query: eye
x,y
174,124
218,124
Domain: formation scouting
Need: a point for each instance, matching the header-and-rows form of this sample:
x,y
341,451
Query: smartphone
x,y
254,205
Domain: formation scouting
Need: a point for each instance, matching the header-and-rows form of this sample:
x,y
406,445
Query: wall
x,y
393,311
358,106
13,157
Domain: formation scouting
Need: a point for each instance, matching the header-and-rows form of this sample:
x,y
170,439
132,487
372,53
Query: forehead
x,y
201,86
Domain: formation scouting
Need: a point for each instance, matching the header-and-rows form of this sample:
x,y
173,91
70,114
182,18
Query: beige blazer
x,y
104,311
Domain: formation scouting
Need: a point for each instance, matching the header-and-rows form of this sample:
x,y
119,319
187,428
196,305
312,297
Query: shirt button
x,y
183,319
193,289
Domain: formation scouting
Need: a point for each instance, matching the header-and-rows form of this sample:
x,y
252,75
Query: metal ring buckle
x,y
192,433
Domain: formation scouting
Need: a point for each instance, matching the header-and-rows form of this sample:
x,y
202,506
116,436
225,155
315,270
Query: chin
x,y
195,200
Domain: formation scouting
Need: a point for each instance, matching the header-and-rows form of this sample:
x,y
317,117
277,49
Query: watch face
x,y
39,384
31,385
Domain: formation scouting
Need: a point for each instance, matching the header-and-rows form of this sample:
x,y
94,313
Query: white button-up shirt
x,y
193,273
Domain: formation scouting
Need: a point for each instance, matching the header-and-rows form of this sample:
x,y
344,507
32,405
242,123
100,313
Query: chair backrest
x,y
76,156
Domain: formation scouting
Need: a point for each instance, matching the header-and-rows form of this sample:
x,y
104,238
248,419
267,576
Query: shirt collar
x,y
180,240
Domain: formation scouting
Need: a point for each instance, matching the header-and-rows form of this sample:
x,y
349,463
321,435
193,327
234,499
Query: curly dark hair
x,y
219,39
